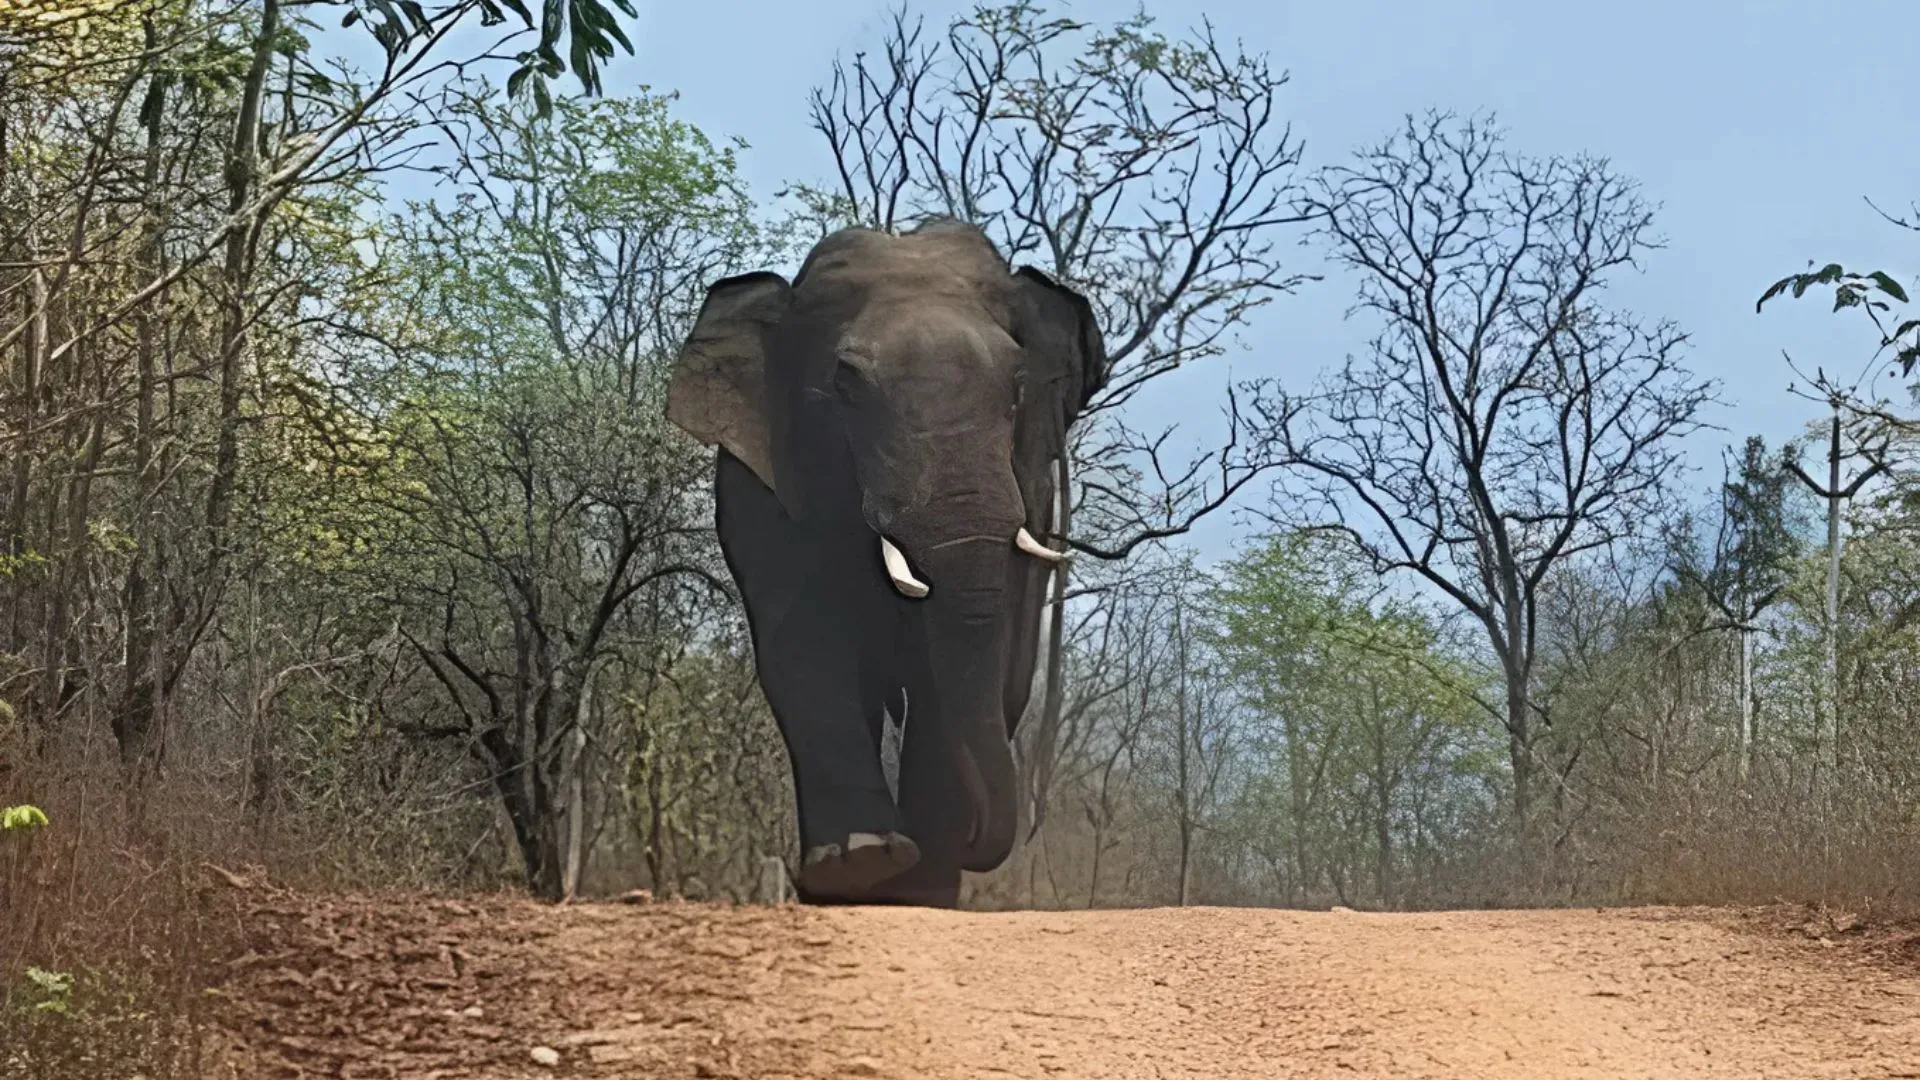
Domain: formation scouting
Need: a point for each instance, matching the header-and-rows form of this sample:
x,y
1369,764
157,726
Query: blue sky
x,y
1756,127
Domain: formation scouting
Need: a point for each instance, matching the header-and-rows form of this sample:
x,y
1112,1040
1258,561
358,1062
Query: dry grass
x,y
1852,846
112,927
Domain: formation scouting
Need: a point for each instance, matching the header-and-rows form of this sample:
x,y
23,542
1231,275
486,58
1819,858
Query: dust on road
x,y
415,987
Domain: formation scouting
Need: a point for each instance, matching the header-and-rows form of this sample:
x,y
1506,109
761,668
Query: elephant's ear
x,y
1066,364
718,390
1064,346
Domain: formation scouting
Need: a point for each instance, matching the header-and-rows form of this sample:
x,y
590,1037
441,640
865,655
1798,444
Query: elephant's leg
x,y
851,831
930,793
934,803
807,643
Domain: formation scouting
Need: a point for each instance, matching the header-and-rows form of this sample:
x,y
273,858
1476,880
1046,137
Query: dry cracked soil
x,y
421,987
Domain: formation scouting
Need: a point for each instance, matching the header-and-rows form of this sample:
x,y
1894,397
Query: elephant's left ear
x,y
718,390
1062,338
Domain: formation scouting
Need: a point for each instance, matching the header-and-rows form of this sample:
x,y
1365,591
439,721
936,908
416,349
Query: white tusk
x,y
1025,542
900,572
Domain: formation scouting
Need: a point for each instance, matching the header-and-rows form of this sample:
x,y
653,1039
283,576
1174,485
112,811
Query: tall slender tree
x,y
1748,562
1503,421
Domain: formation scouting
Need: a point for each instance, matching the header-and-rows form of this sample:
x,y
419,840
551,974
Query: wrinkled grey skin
x,y
911,387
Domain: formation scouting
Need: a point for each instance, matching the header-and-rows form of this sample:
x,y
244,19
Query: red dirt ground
x,y
414,987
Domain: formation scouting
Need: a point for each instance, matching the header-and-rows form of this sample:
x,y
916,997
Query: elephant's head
x,y
912,393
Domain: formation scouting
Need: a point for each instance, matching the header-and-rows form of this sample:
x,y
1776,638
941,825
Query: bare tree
x,y
1504,420
1092,668
1111,748
1155,175
1205,738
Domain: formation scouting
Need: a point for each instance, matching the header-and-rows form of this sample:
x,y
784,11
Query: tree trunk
x,y
1093,879
72,674
1747,733
1828,742
242,165
656,851
1185,767
1383,807
33,345
133,720
533,830
1297,806
576,789
1520,751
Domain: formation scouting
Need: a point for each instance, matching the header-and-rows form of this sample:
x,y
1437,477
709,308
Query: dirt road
x,y
410,987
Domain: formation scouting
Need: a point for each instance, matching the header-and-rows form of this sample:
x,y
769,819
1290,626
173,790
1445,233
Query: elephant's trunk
x,y
967,623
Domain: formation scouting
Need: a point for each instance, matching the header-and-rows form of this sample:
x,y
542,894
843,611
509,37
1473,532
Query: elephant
x,y
888,427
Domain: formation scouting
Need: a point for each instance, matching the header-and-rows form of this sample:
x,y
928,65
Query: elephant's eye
x,y
849,382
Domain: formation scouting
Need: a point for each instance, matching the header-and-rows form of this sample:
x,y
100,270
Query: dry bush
x,y
354,804
1657,811
112,927
1780,838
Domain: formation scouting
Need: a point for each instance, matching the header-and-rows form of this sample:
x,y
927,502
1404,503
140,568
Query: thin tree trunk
x,y
33,346
133,719
1297,806
237,273
1520,751
1186,790
656,853
576,789
1382,819
1829,740
1747,733
71,675
1093,880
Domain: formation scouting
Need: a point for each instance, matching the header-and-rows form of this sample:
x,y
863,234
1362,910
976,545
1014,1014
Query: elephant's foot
x,y
831,872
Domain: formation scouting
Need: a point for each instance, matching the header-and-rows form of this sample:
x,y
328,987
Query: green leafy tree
x,y
1743,568
1372,724
539,522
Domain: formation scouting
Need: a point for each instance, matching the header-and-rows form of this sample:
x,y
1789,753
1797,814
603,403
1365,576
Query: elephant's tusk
x,y
1025,542
900,572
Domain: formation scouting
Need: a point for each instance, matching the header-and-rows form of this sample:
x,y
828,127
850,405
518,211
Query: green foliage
x,y
49,991
1850,289
1869,293
1374,730
96,1020
590,28
22,818
703,772
1741,568
12,565
490,468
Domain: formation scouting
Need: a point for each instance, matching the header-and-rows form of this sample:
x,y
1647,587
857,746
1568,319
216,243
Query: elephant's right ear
x,y
718,390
